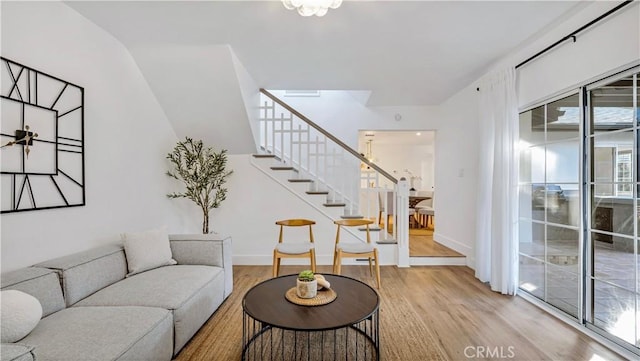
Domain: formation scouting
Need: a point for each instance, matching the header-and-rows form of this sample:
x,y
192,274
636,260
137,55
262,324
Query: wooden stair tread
x,y
389,241
352,217
300,180
284,168
317,192
372,229
264,156
334,204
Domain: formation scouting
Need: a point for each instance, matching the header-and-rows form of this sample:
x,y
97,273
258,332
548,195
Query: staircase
x,y
328,174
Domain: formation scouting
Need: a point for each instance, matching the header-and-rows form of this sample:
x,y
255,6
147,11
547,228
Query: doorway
x,y
410,154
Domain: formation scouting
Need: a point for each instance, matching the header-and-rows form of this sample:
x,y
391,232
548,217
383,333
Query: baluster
x,y
317,146
282,153
291,154
273,136
300,160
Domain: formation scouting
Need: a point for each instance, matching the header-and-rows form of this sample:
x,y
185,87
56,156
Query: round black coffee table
x,y
277,329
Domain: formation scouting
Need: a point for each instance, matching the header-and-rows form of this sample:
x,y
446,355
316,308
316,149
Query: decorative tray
x,y
323,297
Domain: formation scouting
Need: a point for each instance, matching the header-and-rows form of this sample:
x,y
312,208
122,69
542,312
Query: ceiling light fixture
x,y
311,7
369,155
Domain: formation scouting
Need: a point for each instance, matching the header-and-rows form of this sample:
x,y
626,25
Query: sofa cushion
x,y
147,250
103,333
19,314
40,283
16,352
192,292
86,272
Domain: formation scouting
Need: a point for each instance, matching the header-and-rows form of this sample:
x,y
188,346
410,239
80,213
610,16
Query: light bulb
x,y
335,4
321,11
288,4
307,10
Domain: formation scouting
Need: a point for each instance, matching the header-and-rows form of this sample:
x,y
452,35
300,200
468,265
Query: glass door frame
x,y
588,255
586,263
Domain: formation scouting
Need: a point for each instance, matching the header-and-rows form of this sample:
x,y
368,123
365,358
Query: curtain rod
x,y
573,34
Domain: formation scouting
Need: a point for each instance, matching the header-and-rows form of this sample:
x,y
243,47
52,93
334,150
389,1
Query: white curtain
x,y
497,209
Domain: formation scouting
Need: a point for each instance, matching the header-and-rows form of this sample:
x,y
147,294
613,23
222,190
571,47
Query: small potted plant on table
x,y
306,285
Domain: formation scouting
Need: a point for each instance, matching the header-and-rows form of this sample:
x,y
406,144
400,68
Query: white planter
x,y
307,289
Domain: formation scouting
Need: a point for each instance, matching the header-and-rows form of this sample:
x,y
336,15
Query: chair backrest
x,y
380,202
353,223
296,222
390,199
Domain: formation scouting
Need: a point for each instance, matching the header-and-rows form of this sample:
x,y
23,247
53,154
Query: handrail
x,y
329,135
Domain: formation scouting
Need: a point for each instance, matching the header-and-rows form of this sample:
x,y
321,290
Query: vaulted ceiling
x,y
404,52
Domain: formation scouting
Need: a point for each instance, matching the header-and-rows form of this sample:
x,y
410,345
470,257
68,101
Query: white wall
x,y
456,174
202,100
418,159
608,45
253,205
127,136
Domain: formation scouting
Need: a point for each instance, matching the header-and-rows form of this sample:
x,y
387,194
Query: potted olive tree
x,y
203,172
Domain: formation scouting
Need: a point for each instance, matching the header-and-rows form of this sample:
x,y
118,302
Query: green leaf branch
x,y
203,172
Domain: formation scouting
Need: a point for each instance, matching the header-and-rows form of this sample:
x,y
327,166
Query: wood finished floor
x,y
421,244
427,313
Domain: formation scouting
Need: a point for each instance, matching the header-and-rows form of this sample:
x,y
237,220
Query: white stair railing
x,y
365,189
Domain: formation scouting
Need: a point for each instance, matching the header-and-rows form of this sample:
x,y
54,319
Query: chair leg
x,y
370,268
375,254
312,254
339,262
276,262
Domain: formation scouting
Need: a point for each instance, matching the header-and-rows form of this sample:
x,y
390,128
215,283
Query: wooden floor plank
x,y
426,313
421,244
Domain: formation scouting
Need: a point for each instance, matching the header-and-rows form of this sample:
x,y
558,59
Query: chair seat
x,y
427,211
356,247
294,248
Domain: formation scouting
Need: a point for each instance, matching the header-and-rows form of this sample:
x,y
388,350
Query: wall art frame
x,y
42,145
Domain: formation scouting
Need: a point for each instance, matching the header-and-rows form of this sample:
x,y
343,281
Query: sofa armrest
x,y
205,249
16,352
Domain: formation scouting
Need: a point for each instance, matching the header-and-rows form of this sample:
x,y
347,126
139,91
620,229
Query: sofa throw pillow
x,y
147,250
19,315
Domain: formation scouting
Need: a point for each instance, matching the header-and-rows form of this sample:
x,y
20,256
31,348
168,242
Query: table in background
x,y
414,200
274,328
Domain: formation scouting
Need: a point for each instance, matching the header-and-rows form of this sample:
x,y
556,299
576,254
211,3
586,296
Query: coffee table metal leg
x,y
361,344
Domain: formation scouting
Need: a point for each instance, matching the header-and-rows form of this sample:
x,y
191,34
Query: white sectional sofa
x,y
92,311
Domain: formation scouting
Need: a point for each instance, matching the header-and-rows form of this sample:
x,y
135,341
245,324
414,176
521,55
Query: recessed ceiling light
x,y
418,133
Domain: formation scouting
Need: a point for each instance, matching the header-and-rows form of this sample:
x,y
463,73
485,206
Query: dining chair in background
x,y
294,249
425,210
355,249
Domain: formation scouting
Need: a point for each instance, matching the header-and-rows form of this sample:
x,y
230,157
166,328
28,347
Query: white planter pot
x,y
307,289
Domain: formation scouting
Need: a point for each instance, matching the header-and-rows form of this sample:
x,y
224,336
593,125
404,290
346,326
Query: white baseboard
x,y
453,244
262,260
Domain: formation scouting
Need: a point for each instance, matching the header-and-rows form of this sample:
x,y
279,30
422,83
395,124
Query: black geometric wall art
x,y
41,140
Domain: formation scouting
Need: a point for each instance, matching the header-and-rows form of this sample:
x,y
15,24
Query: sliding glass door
x,y
579,219
550,203
612,259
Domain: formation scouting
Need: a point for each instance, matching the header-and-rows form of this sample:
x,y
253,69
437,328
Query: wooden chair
x,y
355,250
294,249
426,211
